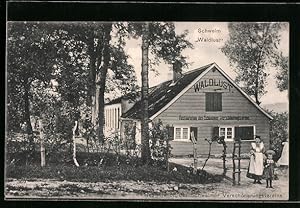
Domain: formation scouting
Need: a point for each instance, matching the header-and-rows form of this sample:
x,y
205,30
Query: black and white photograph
x,y
147,110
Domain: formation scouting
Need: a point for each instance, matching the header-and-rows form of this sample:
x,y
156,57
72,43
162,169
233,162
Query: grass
x,y
91,171
109,173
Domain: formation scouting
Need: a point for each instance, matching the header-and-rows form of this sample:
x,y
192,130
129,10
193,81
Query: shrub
x,y
278,132
110,173
129,142
159,143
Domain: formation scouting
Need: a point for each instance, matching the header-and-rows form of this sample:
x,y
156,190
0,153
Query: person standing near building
x,y
256,164
269,166
284,159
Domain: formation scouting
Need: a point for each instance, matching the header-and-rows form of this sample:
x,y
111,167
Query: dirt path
x,y
141,190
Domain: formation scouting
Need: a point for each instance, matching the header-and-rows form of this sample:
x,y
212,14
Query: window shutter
x,y
171,132
219,101
207,101
215,131
237,133
213,101
195,130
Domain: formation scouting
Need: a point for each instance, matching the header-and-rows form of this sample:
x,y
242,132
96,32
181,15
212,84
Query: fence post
x,y
194,152
224,158
233,165
167,155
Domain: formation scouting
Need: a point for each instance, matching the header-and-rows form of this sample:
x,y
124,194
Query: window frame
x,y
181,133
232,134
254,131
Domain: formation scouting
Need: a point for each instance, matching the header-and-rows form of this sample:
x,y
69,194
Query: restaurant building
x,y
205,101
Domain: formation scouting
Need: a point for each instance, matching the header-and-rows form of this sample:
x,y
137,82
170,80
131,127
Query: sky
x,y
204,53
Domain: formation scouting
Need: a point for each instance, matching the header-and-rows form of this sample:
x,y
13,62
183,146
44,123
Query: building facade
x,y
207,103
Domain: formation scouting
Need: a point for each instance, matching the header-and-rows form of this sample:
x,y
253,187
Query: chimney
x,y
177,70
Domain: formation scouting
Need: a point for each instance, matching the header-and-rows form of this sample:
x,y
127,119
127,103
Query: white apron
x,y
256,165
284,159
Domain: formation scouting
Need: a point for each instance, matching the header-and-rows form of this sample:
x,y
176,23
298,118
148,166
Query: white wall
x,y
112,114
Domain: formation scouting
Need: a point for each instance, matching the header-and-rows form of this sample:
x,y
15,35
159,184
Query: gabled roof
x,y
243,92
164,95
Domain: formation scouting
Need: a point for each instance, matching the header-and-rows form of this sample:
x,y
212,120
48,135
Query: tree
x,y
103,56
162,42
30,58
145,154
278,131
282,76
101,78
251,49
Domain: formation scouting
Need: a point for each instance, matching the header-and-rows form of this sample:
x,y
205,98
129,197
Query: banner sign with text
x,y
188,118
213,83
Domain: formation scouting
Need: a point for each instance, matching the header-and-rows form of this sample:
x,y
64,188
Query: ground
x,y
49,188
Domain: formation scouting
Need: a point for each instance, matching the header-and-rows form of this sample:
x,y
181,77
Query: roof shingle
x,y
162,94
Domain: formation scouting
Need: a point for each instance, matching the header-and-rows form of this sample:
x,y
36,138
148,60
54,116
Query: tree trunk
x,y
145,154
256,86
87,145
27,114
43,158
74,144
102,79
92,79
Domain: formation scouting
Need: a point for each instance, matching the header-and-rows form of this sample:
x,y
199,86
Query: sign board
x,y
213,83
200,118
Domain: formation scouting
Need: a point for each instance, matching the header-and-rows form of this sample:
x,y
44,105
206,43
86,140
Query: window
x,y
185,133
182,133
213,101
227,132
177,133
235,132
245,132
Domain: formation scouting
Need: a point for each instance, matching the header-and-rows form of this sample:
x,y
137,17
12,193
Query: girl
x,y
269,168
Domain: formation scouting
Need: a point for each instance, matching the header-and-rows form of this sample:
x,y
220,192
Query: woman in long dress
x,y
256,164
284,159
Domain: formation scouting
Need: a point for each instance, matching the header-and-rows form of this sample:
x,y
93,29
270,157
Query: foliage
x,y
101,45
251,49
129,136
219,140
17,142
49,69
30,58
159,143
110,173
88,131
282,76
57,72
164,43
278,132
